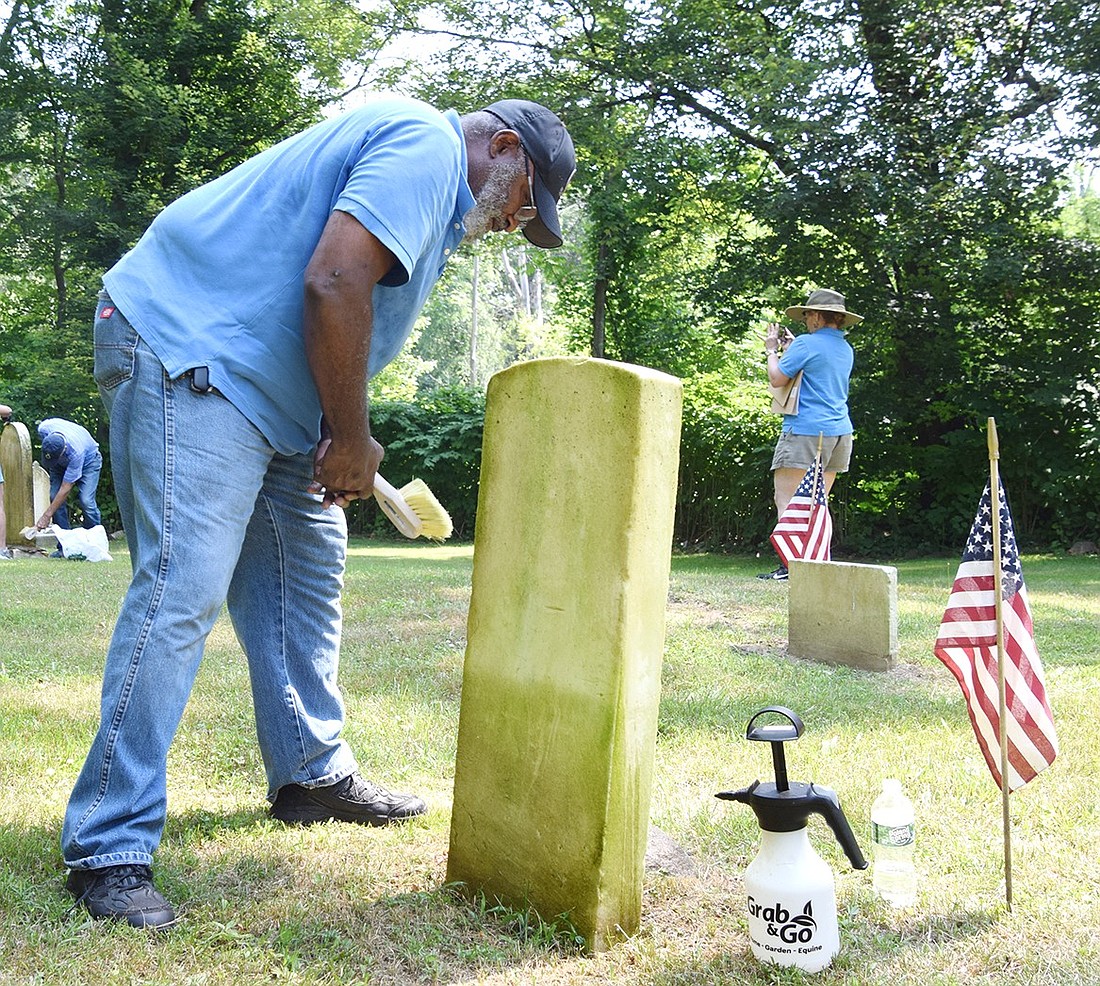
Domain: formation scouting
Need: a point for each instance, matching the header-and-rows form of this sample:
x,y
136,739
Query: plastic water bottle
x,y
893,835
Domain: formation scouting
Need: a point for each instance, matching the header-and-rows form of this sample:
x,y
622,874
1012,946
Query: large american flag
x,y
805,529
967,644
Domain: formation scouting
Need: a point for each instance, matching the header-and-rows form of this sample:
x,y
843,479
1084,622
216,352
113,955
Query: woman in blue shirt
x,y
825,359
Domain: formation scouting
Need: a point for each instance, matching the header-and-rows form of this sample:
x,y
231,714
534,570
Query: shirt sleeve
x,y
402,187
75,469
795,358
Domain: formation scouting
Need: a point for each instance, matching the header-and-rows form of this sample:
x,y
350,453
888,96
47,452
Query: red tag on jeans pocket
x,y
107,312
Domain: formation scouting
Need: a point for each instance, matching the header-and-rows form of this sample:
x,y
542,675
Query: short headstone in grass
x,y
843,613
41,481
16,459
561,682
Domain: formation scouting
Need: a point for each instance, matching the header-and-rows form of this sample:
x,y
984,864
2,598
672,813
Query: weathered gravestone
x,y
565,635
843,613
44,541
16,459
41,480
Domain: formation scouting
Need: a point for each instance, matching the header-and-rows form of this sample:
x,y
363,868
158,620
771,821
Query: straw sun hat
x,y
824,300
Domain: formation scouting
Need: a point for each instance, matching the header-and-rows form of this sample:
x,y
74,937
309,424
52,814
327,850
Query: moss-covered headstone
x,y
562,675
16,457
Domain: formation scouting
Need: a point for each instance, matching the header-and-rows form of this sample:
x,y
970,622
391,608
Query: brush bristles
x,y
431,513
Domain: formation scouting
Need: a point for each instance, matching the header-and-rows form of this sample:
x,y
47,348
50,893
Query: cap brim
x,y
545,229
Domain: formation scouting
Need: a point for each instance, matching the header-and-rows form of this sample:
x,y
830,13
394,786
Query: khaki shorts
x,y
799,451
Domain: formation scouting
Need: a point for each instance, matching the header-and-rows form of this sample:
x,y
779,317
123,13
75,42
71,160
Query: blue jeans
x,y
85,492
212,514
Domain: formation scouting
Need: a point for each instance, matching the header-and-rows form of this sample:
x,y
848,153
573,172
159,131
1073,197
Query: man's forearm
x,y
348,263
339,289
337,338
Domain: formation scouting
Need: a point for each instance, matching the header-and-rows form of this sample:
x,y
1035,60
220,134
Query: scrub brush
x,y
413,509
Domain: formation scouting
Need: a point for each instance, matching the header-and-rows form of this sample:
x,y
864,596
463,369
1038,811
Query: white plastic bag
x,y
89,544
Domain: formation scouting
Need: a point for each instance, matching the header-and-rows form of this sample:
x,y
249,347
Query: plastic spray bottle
x,y
791,894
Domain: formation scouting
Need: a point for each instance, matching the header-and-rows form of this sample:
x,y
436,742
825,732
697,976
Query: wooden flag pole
x,y
998,593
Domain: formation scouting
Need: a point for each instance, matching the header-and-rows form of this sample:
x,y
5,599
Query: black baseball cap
x,y
550,148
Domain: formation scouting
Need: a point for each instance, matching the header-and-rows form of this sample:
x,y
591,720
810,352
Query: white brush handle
x,y
395,507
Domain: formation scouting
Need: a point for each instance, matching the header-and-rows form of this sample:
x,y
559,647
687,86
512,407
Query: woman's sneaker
x,y
779,575
123,892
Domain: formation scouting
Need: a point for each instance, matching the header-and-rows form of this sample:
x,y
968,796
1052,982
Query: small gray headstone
x,y
843,613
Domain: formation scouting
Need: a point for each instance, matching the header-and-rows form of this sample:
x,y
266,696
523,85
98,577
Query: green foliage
x,y
493,307
399,380
725,498
732,158
113,109
1080,217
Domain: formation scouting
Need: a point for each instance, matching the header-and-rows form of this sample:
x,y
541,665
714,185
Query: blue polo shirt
x,y
79,447
827,360
217,279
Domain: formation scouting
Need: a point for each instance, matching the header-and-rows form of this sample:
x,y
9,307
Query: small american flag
x,y
967,644
805,529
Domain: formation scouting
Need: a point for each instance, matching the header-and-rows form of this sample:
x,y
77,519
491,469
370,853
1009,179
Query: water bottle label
x,y
893,836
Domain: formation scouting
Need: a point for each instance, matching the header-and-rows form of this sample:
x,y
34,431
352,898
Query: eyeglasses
x,y
525,213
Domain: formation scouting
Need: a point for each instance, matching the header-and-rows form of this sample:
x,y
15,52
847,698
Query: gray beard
x,y
490,204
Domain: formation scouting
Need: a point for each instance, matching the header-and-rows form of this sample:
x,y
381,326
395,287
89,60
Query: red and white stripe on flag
x,y
805,529
967,645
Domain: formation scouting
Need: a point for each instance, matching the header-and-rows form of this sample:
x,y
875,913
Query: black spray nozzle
x,y
789,811
786,805
777,734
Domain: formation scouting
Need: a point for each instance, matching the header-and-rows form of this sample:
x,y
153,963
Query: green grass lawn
x,y
340,904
